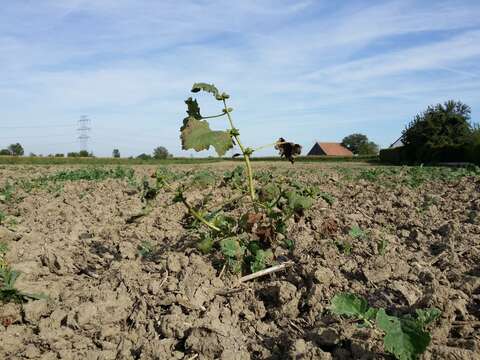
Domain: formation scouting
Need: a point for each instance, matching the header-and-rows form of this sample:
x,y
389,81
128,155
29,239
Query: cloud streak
x,y
306,69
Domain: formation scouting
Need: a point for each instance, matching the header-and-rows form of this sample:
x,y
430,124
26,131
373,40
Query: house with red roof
x,y
329,149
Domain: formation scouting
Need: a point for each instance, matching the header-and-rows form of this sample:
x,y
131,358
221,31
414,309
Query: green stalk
x,y
213,116
246,156
192,211
269,145
199,217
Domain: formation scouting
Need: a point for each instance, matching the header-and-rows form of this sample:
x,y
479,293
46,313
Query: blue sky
x,y
304,70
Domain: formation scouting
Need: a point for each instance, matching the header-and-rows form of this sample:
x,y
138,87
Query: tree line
x,y
17,149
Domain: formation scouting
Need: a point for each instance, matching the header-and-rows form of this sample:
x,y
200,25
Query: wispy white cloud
x,y
306,69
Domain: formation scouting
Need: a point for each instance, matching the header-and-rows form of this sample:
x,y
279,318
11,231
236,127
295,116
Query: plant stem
x,y
213,116
192,211
246,156
269,145
199,217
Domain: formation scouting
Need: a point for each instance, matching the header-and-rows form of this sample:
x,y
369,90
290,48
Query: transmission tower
x,y
83,132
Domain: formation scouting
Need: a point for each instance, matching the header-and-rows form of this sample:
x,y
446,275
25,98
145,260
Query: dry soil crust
x,y
77,245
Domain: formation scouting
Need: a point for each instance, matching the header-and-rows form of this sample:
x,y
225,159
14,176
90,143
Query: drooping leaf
x,y
197,135
211,89
349,305
288,149
404,338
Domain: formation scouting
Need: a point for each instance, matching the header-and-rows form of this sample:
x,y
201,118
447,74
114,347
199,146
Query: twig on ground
x,y
270,270
164,279
222,271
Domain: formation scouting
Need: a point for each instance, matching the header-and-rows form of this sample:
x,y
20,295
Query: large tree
x,y
368,148
438,127
359,144
16,149
160,153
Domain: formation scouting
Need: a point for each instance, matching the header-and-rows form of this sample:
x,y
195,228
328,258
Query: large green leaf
x,y
197,135
404,338
349,304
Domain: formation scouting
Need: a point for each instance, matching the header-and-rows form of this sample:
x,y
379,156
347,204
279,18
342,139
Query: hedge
x,y
427,154
396,155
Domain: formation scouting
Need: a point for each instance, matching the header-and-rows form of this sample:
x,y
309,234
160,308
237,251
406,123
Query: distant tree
x,y
144,156
83,153
59,155
368,148
160,153
5,152
116,153
32,155
73,154
359,144
16,149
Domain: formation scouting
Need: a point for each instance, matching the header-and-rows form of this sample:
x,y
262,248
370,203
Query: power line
x,y
37,126
16,138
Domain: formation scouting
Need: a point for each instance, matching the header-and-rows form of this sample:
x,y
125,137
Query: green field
x,y
26,160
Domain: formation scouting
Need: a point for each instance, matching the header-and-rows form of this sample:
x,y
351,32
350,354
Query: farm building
x,y
329,149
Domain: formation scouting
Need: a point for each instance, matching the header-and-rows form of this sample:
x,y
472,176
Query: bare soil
x,y
78,245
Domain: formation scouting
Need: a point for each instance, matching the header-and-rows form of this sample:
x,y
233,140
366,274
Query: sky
x,y
303,70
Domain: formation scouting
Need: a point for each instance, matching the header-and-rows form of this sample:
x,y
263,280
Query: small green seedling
x,y
344,246
146,250
8,277
2,217
6,193
382,246
357,233
329,198
405,337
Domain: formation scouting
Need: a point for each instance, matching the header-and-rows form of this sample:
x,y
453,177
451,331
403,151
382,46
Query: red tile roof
x,y
334,149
